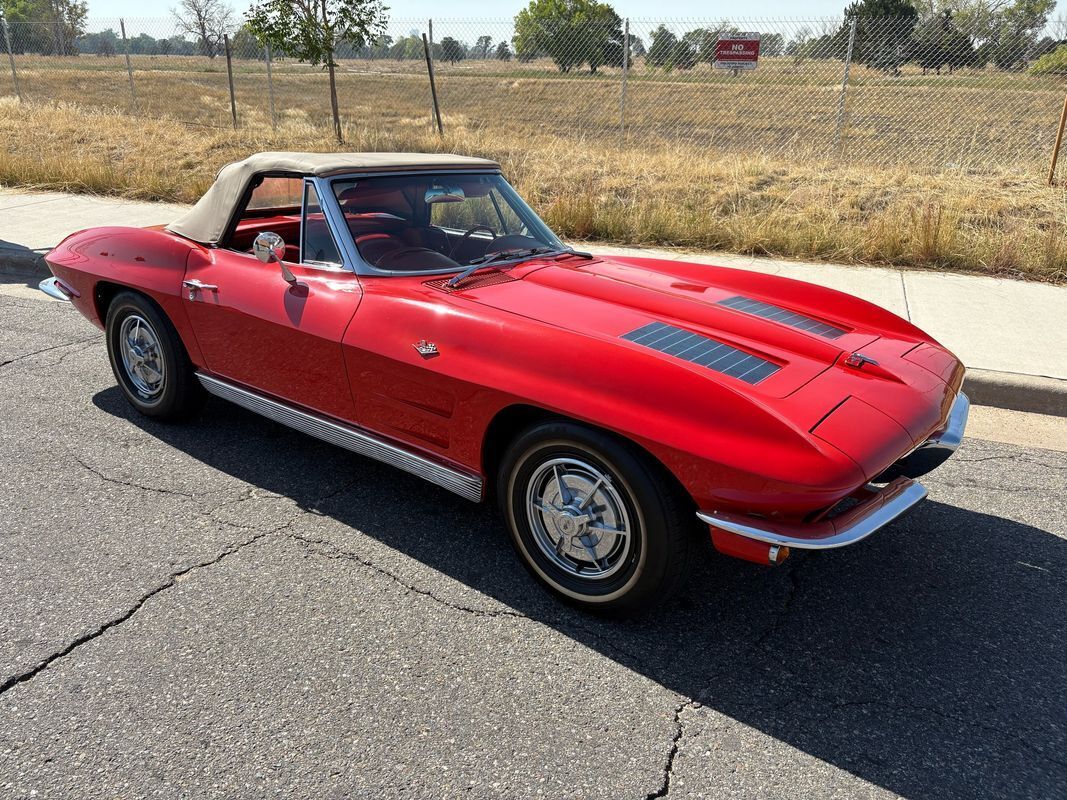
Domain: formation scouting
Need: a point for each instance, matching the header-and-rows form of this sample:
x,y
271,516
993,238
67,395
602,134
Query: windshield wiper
x,y
503,255
508,255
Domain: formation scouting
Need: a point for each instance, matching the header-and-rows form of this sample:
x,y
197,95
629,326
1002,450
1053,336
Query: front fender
x,y
149,261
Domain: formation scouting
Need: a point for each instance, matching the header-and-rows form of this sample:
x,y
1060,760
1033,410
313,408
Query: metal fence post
x,y
844,89
129,68
625,74
270,90
429,35
11,59
229,77
433,86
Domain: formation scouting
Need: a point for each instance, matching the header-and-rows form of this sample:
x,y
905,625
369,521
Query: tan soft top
x,y
206,221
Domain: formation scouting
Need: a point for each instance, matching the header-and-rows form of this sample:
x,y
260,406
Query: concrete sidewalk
x,y
1012,335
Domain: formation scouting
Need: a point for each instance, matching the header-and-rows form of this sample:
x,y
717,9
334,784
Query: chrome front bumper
x,y
56,289
882,505
932,453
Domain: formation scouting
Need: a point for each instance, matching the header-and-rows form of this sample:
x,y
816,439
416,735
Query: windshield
x,y
440,223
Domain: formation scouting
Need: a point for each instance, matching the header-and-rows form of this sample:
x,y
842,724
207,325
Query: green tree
x,y
661,50
481,47
938,43
58,24
772,45
883,33
503,52
309,30
570,32
452,51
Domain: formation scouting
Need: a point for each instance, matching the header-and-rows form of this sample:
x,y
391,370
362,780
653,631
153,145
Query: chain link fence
x,y
887,91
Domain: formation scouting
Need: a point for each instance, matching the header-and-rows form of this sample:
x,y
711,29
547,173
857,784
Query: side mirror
x,y
269,247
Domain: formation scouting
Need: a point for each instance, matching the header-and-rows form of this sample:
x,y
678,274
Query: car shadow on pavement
x,y
929,660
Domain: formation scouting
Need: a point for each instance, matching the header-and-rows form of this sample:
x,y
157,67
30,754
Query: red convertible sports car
x,y
413,309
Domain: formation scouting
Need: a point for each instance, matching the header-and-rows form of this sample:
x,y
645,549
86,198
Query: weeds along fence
x,y
880,90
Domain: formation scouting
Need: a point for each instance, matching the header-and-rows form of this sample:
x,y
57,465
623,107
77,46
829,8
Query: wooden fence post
x,y
433,86
129,68
1056,148
11,59
229,76
270,92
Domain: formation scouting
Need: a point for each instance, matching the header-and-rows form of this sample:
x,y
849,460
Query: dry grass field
x,y
676,195
970,119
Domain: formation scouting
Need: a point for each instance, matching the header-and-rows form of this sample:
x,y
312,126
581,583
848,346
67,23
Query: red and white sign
x,y
737,51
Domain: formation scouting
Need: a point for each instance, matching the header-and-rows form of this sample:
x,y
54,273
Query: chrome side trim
x,y
54,289
464,484
882,507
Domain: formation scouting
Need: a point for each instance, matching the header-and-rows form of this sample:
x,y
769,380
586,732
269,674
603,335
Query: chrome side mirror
x,y
269,247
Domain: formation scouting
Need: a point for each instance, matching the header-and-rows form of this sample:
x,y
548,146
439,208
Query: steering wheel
x,y
467,234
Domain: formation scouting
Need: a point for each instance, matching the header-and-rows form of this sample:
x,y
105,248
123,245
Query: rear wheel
x,y
593,518
149,360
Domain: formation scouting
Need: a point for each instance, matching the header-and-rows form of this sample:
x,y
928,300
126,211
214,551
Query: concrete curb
x,y
22,262
1037,395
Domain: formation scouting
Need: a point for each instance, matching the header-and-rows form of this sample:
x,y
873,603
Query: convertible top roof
x,y
206,221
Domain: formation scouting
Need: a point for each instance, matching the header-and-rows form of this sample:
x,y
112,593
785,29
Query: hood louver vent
x,y
783,315
702,351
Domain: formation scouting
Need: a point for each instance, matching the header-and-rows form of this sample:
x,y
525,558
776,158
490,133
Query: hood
x,y
804,334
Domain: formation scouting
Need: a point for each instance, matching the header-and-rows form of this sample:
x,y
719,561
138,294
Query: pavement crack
x,y
668,766
47,349
327,549
131,484
171,580
904,291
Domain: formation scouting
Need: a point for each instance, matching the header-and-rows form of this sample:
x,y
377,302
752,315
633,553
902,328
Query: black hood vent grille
x,y
703,351
783,315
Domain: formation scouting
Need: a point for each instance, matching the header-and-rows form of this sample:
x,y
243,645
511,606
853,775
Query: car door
x,y
255,328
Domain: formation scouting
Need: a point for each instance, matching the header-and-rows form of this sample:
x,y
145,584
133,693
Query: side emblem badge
x,y
426,349
857,360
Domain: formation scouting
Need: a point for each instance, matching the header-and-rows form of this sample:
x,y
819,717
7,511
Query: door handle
x,y
195,286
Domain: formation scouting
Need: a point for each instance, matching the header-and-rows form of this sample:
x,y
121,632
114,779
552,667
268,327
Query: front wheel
x,y
593,518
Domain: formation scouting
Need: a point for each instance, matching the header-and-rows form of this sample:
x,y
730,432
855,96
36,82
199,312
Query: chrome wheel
x,y
141,356
578,518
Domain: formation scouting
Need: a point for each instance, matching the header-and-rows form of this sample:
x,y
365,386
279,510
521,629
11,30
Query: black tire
x,y
179,394
654,509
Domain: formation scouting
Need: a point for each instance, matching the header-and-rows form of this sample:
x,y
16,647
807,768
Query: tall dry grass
x,y
673,195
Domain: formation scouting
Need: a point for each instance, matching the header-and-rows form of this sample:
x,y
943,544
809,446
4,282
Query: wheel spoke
x,y
589,496
590,549
547,508
150,374
564,492
599,526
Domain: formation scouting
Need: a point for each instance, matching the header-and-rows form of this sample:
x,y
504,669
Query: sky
x,y
476,9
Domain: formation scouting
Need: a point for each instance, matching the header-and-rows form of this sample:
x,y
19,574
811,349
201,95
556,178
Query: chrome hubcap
x,y
141,357
578,518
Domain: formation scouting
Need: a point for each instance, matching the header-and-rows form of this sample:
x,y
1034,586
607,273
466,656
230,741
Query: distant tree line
x,y
587,34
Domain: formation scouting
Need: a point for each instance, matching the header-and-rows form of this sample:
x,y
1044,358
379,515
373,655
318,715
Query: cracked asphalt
x,y
231,609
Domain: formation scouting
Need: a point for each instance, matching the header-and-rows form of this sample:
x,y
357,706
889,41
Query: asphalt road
x,y
230,609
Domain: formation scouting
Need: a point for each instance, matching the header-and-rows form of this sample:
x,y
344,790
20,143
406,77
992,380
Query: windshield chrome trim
x,y
350,253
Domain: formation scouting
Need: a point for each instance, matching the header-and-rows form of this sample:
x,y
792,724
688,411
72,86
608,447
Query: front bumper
x,y
932,453
56,289
880,505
